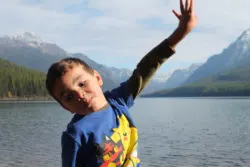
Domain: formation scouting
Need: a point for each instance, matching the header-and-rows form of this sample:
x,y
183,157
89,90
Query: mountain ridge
x,y
237,53
234,82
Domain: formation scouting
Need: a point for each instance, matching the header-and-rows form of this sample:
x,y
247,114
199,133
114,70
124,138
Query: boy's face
x,y
79,91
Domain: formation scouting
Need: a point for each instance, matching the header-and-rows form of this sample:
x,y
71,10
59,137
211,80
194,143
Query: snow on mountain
x,y
245,36
28,39
242,43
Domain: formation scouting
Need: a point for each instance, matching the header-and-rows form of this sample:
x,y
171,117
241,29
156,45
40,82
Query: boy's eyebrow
x,y
76,78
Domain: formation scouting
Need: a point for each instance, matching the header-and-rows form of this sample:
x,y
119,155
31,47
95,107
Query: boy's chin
x,y
85,112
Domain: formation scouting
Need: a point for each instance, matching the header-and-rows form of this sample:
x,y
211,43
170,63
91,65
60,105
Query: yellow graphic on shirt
x,y
121,147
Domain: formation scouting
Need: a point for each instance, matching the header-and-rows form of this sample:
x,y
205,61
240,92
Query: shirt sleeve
x,y
148,66
121,95
144,71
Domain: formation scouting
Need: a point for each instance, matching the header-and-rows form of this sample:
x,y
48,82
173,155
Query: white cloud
x,y
116,32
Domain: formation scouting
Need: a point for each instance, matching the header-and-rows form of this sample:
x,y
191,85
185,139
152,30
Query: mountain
x,y
233,82
32,52
179,76
236,54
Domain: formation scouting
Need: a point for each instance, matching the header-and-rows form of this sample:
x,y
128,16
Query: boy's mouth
x,y
88,103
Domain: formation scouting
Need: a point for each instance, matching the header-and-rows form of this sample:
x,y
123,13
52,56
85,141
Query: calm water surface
x,y
173,132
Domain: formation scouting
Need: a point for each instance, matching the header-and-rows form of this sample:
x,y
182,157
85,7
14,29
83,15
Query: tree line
x,y
18,81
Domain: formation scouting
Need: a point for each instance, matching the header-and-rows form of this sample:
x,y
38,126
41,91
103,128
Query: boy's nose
x,y
81,96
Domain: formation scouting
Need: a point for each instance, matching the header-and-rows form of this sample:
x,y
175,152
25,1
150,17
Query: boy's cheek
x,y
70,107
67,108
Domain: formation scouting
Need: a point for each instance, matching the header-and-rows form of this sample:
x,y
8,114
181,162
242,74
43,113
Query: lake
x,y
172,132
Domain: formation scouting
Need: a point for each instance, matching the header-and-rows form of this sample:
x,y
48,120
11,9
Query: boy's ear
x,y
98,77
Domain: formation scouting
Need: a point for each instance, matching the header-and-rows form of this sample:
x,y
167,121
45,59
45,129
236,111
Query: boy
x,y
102,132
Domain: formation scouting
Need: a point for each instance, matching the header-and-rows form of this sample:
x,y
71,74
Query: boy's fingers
x,y
181,6
188,5
191,8
178,15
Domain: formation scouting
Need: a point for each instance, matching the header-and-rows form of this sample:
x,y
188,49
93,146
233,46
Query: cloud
x,y
16,18
115,30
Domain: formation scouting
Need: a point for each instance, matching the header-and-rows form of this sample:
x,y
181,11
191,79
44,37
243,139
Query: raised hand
x,y
187,21
187,17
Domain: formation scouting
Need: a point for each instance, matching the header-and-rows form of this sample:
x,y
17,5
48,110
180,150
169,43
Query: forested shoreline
x,y
18,82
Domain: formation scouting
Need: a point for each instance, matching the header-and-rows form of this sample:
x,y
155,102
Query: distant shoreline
x,y
199,97
26,102
26,99
50,100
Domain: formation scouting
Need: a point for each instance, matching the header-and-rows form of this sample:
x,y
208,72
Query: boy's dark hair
x,y
58,69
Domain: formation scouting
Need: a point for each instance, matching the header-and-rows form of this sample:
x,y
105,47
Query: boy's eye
x,y
82,84
69,97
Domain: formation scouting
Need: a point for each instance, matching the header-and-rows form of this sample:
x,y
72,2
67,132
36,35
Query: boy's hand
x,y
187,21
187,17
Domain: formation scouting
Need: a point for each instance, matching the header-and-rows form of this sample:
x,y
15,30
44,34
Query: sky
x,y
119,33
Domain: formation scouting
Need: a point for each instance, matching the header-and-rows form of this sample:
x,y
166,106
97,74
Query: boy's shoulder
x,y
122,92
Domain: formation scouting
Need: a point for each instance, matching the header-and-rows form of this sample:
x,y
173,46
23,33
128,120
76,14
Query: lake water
x,y
173,132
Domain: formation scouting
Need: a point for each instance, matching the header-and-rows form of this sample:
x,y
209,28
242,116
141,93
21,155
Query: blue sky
x,y
119,33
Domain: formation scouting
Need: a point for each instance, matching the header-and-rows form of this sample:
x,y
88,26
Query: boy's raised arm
x,y
147,67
